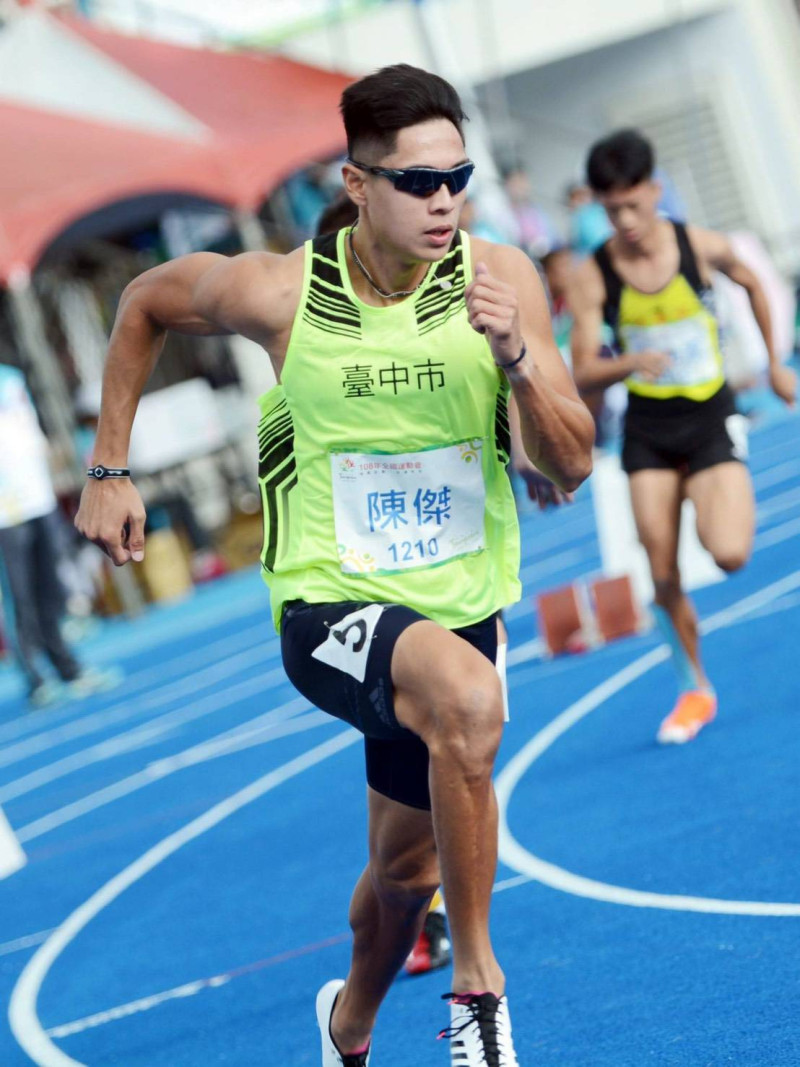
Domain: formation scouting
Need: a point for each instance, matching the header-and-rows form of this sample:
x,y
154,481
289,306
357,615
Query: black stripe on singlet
x,y
444,293
502,428
328,307
277,475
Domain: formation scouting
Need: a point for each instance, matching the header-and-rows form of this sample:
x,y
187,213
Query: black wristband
x,y
99,471
514,362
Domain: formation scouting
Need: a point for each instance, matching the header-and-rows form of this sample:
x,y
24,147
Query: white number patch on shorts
x,y
736,426
348,642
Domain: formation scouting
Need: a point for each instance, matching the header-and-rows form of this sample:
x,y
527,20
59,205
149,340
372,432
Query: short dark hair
x,y
377,107
620,161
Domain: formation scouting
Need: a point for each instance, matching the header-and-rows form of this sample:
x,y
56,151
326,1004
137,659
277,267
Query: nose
x,y
442,200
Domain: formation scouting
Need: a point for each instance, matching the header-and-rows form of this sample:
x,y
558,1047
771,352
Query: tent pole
x,y
52,395
44,372
250,231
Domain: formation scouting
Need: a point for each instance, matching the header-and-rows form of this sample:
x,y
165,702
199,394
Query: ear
x,y
355,184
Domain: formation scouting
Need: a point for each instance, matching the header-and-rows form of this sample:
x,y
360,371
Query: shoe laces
x,y
483,1012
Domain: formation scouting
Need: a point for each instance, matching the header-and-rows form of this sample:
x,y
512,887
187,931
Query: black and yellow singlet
x,y
678,320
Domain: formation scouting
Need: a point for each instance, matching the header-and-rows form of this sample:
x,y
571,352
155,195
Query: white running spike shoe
x,y
479,1031
331,1056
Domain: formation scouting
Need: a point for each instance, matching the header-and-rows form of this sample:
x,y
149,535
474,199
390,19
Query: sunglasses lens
x,y
424,181
459,177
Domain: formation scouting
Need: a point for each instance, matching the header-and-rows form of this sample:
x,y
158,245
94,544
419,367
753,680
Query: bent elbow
x,y
577,475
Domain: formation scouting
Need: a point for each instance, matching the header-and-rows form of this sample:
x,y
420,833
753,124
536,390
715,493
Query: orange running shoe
x,y
694,710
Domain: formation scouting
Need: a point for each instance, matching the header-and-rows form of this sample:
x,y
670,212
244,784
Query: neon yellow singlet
x,y
678,320
382,452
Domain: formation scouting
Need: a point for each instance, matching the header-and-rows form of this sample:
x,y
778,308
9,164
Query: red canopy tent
x,y
221,126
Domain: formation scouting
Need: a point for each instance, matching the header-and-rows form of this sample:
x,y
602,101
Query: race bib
x,y
405,511
688,343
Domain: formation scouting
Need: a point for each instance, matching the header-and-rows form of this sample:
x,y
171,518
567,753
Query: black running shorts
x,y
684,435
339,656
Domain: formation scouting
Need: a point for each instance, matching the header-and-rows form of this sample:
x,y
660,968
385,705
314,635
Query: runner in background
x,y
650,283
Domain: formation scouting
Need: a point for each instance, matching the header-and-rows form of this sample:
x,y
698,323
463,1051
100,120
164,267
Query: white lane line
x,y
22,1013
134,1007
561,561
149,733
190,989
20,943
777,504
782,472
69,718
527,864
777,535
153,772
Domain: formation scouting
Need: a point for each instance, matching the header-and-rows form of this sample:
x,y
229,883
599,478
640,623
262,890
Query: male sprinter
x,y
390,531
651,284
432,949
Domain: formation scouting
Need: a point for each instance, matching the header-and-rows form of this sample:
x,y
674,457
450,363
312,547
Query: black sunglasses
x,y
423,181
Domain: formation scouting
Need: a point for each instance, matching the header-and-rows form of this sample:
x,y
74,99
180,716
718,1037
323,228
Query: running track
x,y
193,838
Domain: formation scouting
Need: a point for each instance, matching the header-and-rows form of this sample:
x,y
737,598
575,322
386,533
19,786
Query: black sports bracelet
x,y
514,362
100,472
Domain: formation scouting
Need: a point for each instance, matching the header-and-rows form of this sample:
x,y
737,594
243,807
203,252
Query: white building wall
x,y
560,108
576,68
490,37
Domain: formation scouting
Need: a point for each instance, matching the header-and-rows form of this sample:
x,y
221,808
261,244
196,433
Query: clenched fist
x,y
493,310
112,515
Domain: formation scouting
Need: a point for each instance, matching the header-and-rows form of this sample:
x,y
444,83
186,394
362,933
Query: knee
x,y
731,559
467,723
407,880
666,588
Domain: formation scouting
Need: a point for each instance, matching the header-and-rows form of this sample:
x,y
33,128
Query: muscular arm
x,y
202,294
585,298
199,294
716,250
507,303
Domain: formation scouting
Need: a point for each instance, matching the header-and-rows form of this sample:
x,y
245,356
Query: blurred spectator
x,y
309,193
536,234
33,596
589,226
471,221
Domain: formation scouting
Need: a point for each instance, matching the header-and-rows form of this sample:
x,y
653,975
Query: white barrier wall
x,y
12,858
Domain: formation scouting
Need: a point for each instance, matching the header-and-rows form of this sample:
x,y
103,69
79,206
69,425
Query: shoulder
x,y
504,261
267,268
710,245
586,285
255,293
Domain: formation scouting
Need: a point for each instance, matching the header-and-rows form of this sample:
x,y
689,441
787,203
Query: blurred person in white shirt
x,y
33,596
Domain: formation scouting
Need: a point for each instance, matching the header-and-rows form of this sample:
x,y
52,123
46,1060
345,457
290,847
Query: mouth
x,y
439,233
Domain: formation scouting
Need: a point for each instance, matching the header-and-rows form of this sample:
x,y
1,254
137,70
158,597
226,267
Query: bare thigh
x,y
441,681
656,497
723,498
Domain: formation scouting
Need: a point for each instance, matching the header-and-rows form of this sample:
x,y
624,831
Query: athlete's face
x,y
420,228
632,212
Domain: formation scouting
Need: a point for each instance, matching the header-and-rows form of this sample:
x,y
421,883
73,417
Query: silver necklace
x,y
368,276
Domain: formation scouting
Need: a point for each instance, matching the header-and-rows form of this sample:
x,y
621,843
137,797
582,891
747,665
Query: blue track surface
x,y
214,951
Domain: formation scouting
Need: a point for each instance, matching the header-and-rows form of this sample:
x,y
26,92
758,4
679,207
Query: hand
x,y
492,308
540,489
650,365
112,515
783,382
